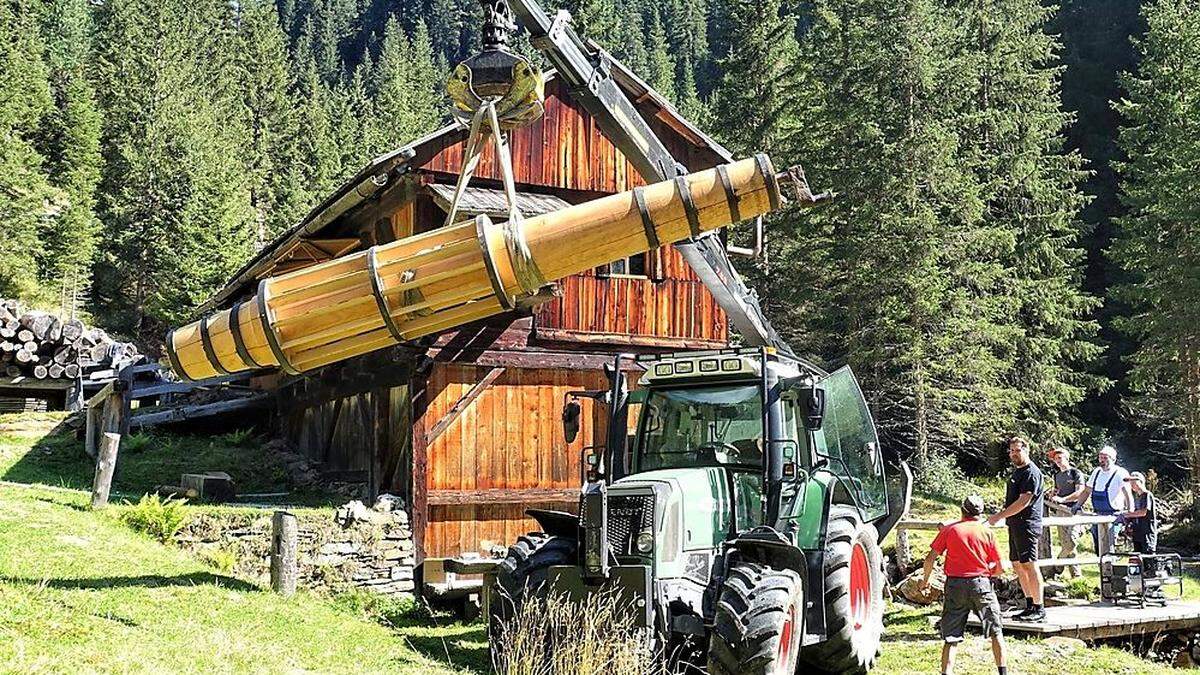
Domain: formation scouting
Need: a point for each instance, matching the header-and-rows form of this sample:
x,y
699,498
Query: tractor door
x,y
847,440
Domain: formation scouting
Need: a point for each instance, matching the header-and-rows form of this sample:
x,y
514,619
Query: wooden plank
x,y
420,463
463,403
156,416
503,496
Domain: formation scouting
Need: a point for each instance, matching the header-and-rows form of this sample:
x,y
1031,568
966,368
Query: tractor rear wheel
x,y
759,622
521,575
853,599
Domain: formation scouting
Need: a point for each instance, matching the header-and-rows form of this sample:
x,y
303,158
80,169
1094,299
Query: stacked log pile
x,y
41,345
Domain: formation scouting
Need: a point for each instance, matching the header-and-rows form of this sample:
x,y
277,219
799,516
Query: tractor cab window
x,y
704,426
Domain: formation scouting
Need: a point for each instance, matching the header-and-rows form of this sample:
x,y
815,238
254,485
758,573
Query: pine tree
x,y
406,86
175,207
320,167
660,67
27,200
270,120
898,276
757,75
1159,243
1012,138
72,148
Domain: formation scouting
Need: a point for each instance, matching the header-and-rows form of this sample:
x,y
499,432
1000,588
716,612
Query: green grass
x,y
80,592
29,453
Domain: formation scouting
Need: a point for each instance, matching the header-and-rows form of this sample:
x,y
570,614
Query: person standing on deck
x,y
1064,501
1024,502
1110,495
971,559
1142,518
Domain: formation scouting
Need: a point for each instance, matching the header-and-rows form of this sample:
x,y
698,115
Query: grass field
x,y
80,592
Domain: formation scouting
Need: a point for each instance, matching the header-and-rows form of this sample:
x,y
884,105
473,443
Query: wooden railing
x,y
904,558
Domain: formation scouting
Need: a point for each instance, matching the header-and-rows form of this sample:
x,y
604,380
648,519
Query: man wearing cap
x,y
1064,501
1142,518
971,559
1110,495
1024,503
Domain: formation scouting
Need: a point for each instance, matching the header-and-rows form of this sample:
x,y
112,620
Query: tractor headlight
x,y
645,542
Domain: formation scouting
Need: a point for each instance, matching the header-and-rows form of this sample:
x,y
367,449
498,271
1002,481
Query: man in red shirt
x,y
971,560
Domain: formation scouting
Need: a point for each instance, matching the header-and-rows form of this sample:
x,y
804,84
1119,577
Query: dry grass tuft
x,y
552,635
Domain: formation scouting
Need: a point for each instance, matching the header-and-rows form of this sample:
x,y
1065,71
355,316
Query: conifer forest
x,y
1014,246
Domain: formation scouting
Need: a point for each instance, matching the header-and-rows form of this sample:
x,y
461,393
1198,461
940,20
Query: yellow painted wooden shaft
x,y
454,275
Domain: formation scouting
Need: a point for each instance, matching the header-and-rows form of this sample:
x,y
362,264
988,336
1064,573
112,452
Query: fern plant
x,y
157,517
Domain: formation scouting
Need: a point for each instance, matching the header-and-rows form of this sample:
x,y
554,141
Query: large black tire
x,y
759,622
854,625
522,574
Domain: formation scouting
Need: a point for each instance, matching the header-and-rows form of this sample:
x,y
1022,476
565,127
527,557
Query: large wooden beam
x,y
461,404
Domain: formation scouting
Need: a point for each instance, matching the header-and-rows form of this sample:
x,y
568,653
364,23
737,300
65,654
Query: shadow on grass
x,y
441,638
55,459
143,581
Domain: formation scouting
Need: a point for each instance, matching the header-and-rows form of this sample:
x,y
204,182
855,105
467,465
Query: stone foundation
x,y
370,548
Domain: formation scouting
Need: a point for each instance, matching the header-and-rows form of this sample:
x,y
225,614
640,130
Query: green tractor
x,y
743,516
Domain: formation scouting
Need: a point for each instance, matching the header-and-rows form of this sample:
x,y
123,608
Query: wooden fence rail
x,y
904,549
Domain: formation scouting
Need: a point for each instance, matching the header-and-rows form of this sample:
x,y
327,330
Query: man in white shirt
x,y
1109,493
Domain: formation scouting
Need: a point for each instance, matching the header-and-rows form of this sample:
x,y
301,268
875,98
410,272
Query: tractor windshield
x,y
704,426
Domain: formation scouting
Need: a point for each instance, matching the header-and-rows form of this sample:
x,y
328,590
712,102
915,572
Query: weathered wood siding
x,y
677,311
503,454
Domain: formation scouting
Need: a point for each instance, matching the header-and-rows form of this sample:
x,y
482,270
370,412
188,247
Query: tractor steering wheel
x,y
708,451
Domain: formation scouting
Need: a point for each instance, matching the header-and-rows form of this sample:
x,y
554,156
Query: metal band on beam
x,y
481,223
206,343
689,205
239,343
175,359
731,198
639,198
269,330
768,173
380,301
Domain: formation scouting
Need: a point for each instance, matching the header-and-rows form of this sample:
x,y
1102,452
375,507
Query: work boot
x,y
1035,615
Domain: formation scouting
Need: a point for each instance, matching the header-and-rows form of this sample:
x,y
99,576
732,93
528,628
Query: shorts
x,y
1023,542
964,595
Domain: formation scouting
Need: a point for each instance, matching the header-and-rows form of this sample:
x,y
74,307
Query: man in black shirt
x,y
1023,506
1068,488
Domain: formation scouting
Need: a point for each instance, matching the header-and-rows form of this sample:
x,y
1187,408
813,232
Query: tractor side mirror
x,y
812,402
570,420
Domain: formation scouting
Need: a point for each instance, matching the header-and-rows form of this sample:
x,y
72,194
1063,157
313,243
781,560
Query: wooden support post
x,y
284,535
106,463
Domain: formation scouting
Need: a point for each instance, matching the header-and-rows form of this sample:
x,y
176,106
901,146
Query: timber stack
x,y
453,275
44,346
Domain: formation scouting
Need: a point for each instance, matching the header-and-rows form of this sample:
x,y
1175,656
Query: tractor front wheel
x,y
759,622
853,599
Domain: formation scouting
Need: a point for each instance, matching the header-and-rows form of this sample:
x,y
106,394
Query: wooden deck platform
x,y
1100,620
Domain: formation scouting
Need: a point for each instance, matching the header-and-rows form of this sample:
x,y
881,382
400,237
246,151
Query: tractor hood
x,y
695,500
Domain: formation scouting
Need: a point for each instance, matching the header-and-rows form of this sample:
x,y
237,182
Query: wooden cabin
x,y
466,427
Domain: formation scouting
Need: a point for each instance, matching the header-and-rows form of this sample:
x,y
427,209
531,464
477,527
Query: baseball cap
x,y
1108,450
1135,477
972,505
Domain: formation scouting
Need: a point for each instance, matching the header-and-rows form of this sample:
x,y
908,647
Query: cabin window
x,y
643,265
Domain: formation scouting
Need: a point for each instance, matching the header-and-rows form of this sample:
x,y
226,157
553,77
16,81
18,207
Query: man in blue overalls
x,y
1110,495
